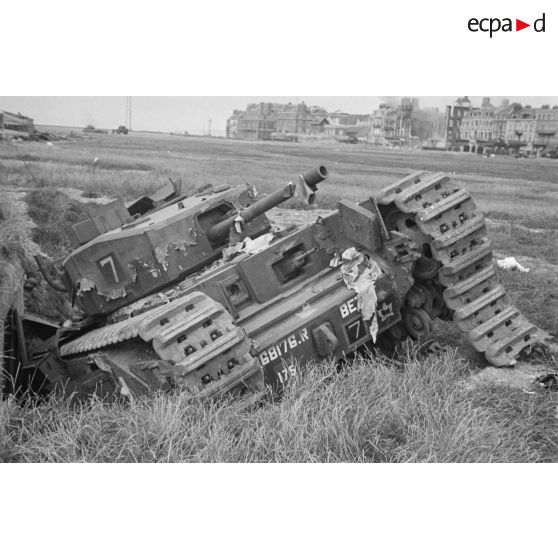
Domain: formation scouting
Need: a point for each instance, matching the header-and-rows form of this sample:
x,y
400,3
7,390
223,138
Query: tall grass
x,y
14,230
22,238
52,211
374,411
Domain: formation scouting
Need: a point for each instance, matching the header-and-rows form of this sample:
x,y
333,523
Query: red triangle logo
x,y
519,25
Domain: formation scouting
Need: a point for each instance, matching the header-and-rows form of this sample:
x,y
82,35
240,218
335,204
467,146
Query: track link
x,y
193,338
481,308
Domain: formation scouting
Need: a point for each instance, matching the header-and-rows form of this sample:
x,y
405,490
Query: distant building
x,y
521,128
462,126
454,116
15,125
477,123
510,125
339,118
295,119
344,126
487,125
391,125
501,116
546,127
232,124
255,122
265,121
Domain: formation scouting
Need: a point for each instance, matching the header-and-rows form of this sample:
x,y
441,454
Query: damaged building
x,y
391,123
344,126
455,114
396,123
427,125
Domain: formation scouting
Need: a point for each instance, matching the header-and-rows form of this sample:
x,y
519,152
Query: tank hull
x,y
363,277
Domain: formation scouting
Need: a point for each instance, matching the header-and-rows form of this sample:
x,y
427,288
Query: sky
x,y
192,114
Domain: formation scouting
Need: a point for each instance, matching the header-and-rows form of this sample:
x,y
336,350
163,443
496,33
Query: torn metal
x,y
248,246
360,275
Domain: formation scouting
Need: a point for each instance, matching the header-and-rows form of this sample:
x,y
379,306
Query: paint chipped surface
x,y
162,251
86,285
133,271
306,311
151,269
161,256
113,294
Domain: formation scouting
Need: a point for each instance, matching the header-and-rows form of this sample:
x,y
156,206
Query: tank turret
x,y
164,246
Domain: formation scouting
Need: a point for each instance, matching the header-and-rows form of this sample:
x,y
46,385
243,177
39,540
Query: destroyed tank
x,y
198,292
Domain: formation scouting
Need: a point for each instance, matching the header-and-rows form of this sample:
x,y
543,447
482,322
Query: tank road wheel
x,y
427,266
418,323
455,272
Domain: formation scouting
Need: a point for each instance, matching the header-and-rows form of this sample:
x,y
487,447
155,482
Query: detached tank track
x,y
194,336
455,236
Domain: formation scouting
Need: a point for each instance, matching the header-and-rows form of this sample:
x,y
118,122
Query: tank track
x,y
199,347
455,231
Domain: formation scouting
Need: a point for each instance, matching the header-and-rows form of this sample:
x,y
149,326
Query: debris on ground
x,y
511,263
521,376
548,381
433,348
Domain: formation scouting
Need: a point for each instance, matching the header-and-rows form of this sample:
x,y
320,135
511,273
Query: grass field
x,y
415,410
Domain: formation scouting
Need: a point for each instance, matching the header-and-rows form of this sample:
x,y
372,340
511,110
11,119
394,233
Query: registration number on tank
x,y
284,346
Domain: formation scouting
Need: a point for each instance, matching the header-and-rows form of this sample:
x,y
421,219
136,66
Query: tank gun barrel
x,y
304,187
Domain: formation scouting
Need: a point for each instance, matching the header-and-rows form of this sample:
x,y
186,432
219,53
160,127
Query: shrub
x,y
51,211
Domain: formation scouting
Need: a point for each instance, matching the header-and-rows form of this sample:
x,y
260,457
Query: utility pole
x,y
128,114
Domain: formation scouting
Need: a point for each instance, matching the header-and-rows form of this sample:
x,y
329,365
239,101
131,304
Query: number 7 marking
x,y
108,260
357,324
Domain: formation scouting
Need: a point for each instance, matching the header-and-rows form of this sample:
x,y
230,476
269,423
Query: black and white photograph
x,y
285,281
278,279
